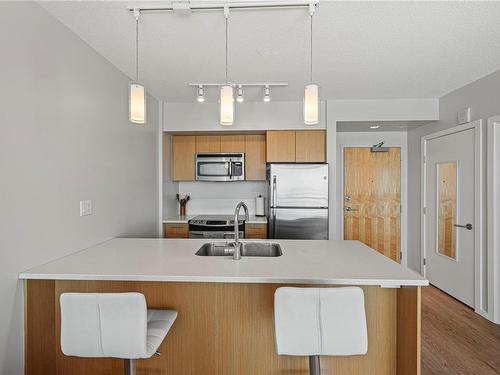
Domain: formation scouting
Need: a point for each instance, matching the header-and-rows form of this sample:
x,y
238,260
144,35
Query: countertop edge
x,y
221,279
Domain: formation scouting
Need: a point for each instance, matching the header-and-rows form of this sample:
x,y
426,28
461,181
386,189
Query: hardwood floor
x,y
455,340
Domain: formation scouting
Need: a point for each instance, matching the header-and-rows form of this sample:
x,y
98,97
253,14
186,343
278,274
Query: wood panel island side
x,y
225,307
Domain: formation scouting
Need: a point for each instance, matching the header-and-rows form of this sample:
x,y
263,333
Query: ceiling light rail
x,y
237,84
200,93
208,6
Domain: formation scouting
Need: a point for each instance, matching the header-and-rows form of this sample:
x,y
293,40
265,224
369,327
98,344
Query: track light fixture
x,y
267,96
236,88
200,97
239,95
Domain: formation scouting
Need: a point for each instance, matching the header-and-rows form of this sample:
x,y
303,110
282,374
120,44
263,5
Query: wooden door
x,y
372,199
208,143
255,157
280,146
232,143
183,150
310,146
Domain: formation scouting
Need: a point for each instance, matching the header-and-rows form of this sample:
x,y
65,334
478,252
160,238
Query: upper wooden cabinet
x,y
280,146
183,151
255,157
310,146
303,146
276,146
208,143
232,143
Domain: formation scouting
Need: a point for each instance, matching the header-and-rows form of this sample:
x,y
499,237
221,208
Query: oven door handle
x,y
196,234
231,235
230,169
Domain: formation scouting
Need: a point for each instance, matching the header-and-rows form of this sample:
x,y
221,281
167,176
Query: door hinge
x,y
425,159
400,255
400,208
425,261
424,210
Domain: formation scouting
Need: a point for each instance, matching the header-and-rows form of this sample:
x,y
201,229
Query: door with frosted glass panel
x,y
449,221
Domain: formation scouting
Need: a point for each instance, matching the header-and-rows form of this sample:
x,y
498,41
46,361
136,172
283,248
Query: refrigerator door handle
x,y
274,224
274,192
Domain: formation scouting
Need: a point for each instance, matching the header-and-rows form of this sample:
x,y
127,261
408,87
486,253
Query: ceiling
x,y
362,50
378,126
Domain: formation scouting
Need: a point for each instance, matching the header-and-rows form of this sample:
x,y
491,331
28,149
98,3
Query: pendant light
x,y
226,98
137,94
311,90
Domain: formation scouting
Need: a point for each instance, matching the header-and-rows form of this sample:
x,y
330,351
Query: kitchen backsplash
x,y
221,197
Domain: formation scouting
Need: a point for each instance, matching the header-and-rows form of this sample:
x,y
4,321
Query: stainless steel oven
x,y
215,226
220,166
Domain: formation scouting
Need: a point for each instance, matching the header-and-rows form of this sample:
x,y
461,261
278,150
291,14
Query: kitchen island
x,y
225,321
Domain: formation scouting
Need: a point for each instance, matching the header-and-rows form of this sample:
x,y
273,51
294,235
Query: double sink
x,y
248,249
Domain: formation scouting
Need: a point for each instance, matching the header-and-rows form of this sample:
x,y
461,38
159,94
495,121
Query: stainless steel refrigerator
x,y
298,201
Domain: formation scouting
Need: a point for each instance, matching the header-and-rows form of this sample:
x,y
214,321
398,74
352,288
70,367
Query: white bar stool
x,y
320,321
116,325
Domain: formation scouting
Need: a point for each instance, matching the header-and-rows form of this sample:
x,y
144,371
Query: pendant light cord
x,y
311,53
137,49
226,48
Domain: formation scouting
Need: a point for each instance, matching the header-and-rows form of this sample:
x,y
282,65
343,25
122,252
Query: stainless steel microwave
x,y
220,167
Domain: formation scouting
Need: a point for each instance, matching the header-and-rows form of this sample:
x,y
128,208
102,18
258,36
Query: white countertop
x,y
302,262
184,219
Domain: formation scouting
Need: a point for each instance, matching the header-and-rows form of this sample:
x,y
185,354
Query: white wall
x,y
64,137
367,139
483,98
195,116
221,197
170,188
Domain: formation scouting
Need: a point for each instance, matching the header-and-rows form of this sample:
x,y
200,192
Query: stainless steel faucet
x,y
237,245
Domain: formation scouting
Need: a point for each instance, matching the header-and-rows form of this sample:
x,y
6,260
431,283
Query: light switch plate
x,y
86,207
464,116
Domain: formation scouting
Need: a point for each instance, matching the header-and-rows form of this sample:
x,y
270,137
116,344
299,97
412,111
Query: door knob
x,y
466,226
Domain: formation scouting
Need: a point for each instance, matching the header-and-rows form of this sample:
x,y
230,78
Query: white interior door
x,y
449,213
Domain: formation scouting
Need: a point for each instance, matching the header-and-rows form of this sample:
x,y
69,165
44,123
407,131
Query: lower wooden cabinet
x,y
180,230
256,231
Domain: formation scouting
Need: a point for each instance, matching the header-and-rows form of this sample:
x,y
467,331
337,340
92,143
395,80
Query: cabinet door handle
x,y
350,209
466,226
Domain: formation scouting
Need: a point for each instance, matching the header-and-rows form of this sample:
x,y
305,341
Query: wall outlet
x,y
464,116
85,208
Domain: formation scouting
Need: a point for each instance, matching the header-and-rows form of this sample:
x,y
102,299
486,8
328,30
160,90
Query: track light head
x,y
267,96
239,96
200,97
